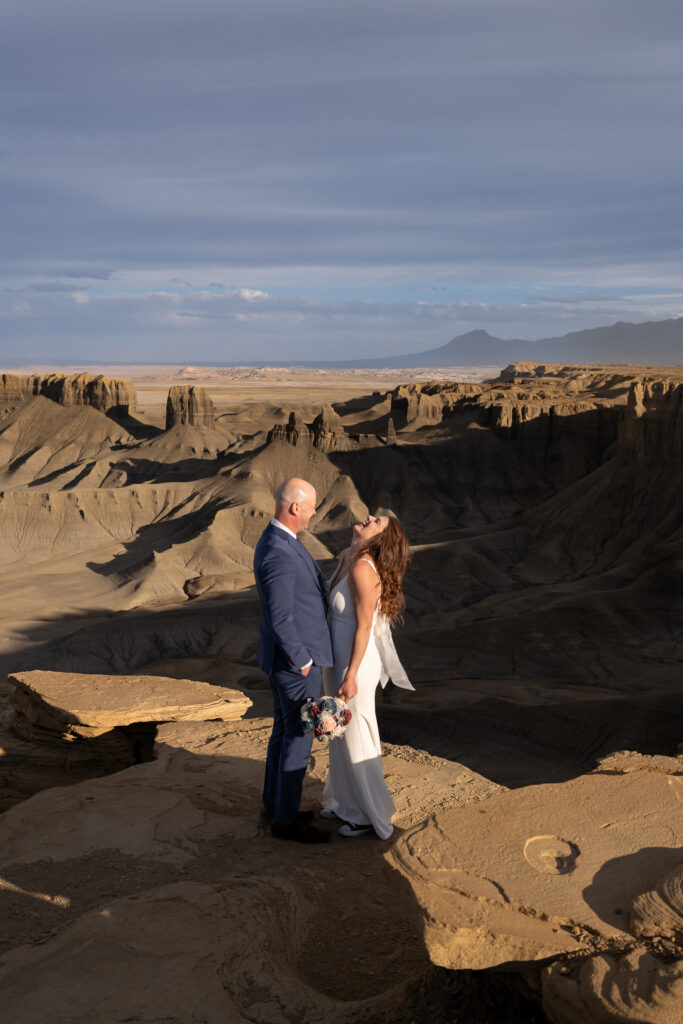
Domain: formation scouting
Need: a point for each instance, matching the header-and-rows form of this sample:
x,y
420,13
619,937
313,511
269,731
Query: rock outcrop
x,y
189,404
636,988
543,870
108,394
326,432
165,866
89,725
420,405
652,425
14,389
294,432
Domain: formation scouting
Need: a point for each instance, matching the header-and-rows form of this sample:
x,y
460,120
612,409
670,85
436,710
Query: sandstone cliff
x,y
14,389
418,405
326,432
108,394
294,432
187,403
651,427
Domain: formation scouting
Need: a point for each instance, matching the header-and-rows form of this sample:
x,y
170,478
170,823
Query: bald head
x,y
295,503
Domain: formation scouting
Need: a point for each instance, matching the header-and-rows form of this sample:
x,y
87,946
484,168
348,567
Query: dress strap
x,y
370,562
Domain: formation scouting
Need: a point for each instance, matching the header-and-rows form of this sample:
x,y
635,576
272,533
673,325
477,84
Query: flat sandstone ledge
x,y
68,702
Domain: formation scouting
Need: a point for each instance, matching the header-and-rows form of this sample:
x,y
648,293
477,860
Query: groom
x,y
294,644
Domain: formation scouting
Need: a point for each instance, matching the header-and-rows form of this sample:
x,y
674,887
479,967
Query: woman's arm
x,y
364,588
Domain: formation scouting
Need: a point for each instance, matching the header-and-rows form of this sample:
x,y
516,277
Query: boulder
x,y
189,404
542,870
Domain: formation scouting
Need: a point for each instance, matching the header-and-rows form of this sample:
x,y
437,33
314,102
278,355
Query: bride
x,y
365,598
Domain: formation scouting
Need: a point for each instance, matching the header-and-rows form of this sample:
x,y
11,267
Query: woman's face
x,y
370,528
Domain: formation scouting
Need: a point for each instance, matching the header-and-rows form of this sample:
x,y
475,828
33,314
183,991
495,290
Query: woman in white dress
x,y
365,597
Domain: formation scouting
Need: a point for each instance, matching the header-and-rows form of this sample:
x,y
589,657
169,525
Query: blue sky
x,y
244,181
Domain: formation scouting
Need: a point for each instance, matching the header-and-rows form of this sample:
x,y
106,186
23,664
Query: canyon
x,y
536,769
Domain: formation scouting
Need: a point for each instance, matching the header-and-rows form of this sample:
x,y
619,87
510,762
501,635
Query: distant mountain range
x,y
658,343
655,343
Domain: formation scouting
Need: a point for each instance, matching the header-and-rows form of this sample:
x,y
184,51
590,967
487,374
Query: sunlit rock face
x,y
652,425
189,404
14,389
108,394
326,432
65,726
546,870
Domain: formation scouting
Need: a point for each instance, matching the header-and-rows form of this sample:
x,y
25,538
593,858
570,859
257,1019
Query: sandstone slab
x,y
179,953
542,870
66,726
70,702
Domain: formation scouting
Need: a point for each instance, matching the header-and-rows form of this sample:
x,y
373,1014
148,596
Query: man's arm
x,y
277,577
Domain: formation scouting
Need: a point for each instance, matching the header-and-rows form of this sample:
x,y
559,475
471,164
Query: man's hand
x,y
348,688
306,670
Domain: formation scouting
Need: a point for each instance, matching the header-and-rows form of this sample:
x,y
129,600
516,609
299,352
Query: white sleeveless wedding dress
x,y
355,789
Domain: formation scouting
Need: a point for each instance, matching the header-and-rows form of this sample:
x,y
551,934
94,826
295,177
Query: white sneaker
x,y
351,830
327,813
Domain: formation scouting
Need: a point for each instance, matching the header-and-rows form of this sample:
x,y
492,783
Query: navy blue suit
x,y
294,630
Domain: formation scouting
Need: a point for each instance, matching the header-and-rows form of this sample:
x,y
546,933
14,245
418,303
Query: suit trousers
x,y
289,747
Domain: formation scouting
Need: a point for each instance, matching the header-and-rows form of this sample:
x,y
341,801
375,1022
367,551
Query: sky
x,y
244,181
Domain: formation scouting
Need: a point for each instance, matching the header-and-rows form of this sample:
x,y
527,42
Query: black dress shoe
x,y
306,816
299,832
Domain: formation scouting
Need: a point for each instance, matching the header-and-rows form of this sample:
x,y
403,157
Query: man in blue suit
x,y
294,645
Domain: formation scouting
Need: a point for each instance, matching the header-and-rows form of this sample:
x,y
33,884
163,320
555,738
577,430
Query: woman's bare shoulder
x,y
364,574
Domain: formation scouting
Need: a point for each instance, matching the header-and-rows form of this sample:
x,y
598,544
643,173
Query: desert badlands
x,y
536,870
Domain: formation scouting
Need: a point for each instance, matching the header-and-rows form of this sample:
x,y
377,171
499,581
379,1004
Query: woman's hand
x,y
348,688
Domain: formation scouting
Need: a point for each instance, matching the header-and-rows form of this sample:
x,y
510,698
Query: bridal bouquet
x,y
326,718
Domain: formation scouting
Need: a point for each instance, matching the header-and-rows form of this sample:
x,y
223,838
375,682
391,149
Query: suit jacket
x,y
293,595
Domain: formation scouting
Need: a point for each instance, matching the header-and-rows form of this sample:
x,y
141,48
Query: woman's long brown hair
x,y
390,551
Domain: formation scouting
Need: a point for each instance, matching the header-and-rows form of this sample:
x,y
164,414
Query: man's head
x,y
295,503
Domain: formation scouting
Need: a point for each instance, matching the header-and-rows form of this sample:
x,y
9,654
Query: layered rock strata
x,y
652,424
636,988
189,404
14,390
326,432
91,725
419,405
108,394
294,432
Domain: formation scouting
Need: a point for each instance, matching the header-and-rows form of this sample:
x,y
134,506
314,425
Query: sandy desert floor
x,y
543,634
